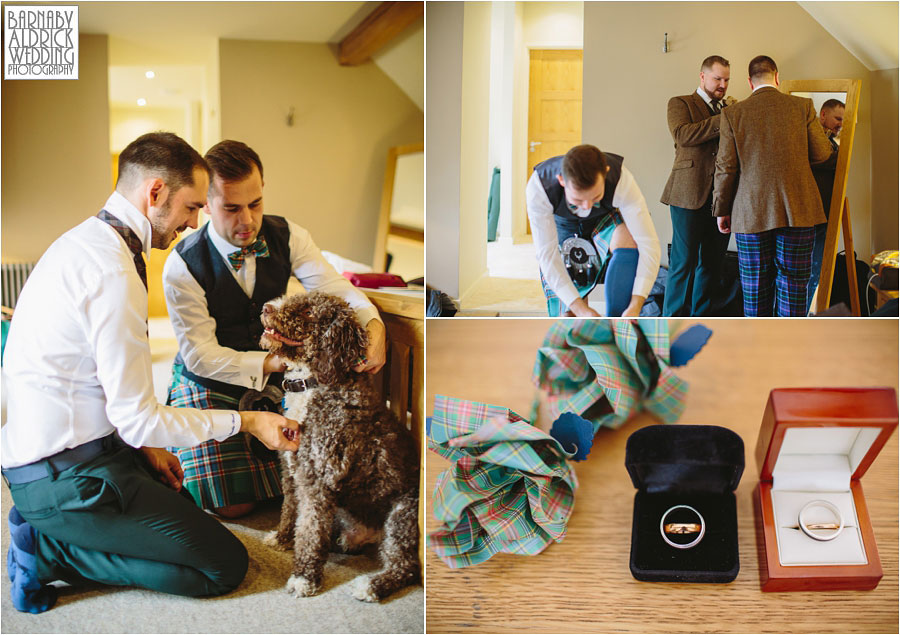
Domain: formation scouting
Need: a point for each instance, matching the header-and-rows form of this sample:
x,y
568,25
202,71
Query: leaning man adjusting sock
x,y
591,196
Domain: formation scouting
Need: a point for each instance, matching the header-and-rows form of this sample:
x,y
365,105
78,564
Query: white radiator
x,y
13,277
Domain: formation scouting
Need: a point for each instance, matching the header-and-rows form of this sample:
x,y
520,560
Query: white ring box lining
x,y
817,463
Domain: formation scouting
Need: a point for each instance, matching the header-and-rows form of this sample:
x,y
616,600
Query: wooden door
x,y
554,104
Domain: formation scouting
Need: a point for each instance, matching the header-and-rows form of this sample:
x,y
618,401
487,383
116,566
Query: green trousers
x,y
108,520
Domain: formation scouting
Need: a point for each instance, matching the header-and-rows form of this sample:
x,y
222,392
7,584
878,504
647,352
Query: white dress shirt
x,y
77,363
630,202
195,329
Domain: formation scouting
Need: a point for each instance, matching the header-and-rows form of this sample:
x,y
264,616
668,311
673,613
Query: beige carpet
x,y
259,605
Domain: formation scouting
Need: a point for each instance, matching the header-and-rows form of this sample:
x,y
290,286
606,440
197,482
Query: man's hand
x,y
634,307
724,223
728,101
376,351
275,432
273,364
166,466
580,308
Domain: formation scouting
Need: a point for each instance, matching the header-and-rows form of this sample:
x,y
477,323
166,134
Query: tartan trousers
x,y
775,266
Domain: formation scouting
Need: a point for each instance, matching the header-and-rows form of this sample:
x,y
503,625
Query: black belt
x,y
61,460
231,390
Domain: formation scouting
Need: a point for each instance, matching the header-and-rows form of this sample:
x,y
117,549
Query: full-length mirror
x,y
400,240
836,102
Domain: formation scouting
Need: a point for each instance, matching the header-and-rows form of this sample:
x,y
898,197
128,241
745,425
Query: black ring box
x,y
694,465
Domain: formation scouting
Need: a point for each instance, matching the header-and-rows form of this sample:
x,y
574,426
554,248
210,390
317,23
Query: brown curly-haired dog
x,y
354,478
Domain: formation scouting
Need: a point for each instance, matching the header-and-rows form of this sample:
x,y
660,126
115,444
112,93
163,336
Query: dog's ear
x,y
343,345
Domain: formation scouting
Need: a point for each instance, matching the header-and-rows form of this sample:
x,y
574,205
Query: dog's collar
x,y
299,385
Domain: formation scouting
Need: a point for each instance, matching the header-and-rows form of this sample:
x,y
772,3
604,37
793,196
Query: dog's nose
x,y
268,308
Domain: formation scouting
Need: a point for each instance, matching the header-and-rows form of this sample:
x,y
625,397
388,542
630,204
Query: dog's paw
x,y
300,587
271,540
361,589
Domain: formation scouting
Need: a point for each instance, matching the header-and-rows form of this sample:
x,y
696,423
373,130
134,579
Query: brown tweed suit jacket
x,y
763,178
696,133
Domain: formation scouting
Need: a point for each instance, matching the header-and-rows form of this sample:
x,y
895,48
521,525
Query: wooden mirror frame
x,y
838,214
385,227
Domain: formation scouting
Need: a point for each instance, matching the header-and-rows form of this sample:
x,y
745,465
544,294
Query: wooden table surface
x,y
584,584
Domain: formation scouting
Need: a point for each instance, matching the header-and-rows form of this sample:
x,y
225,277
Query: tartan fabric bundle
x,y
608,370
509,490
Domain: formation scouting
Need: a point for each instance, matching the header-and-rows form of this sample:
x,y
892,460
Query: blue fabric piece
x,y
575,434
28,595
620,274
428,426
688,344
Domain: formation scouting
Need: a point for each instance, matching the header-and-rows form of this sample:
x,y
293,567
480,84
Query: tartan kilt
x,y
221,473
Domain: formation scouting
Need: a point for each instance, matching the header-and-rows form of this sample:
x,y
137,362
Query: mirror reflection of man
x,y
765,193
591,195
77,367
698,248
216,283
831,116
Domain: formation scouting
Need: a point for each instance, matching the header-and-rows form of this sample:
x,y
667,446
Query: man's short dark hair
x,y
761,65
159,154
582,166
707,64
831,104
232,161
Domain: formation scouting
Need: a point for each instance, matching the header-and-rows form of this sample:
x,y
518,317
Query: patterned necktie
x,y
717,107
259,249
131,239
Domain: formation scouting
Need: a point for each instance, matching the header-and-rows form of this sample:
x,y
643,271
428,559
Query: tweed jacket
x,y
695,131
763,177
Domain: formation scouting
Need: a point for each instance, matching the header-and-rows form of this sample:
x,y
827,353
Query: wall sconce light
x,y
290,117
666,43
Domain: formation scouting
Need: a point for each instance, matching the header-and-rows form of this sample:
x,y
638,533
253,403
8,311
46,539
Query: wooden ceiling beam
x,y
381,26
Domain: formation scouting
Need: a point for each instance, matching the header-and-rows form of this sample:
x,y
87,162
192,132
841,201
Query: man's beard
x,y
160,235
712,94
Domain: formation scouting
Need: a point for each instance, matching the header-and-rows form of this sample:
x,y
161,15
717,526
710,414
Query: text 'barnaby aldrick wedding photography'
x,y
40,42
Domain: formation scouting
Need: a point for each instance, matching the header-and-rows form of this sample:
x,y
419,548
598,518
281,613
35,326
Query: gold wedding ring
x,y
666,529
823,526
809,527
683,528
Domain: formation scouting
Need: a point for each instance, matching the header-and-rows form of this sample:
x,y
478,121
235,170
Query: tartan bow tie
x,y
259,249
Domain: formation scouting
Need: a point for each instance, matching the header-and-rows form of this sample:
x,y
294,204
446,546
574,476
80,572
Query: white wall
x,y
625,104
203,123
443,94
55,145
127,124
475,169
553,24
326,171
502,85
